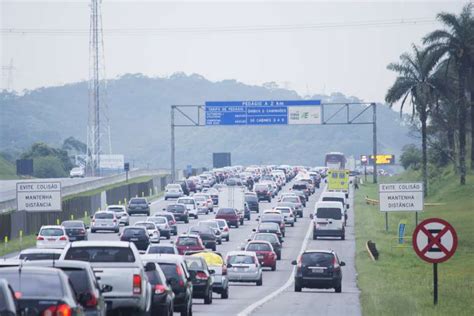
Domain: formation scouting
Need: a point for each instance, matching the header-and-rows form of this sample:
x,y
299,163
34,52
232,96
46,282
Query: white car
x,y
33,254
190,204
52,236
203,203
173,191
162,249
77,172
152,230
287,213
120,213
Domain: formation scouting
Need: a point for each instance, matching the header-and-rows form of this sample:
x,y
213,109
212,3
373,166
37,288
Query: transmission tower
x,y
7,71
98,127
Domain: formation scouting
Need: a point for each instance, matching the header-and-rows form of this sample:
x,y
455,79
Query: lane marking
x,y
288,283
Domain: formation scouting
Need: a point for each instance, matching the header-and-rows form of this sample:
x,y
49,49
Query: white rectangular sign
x,y
111,161
301,115
38,196
401,197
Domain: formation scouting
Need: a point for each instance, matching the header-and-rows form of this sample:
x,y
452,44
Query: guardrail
x,y
376,202
92,185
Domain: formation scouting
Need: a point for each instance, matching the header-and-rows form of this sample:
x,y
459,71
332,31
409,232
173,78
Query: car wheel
x,y
343,237
208,298
338,289
188,310
237,225
117,230
214,248
260,281
168,236
92,231
225,294
220,241
274,267
315,237
292,224
228,238
278,256
297,288
186,221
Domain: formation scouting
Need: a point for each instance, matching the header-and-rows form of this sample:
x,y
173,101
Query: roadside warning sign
x,y
435,240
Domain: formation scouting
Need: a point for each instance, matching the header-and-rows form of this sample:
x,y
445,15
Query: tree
x,y
416,83
42,155
455,43
72,144
48,167
411,157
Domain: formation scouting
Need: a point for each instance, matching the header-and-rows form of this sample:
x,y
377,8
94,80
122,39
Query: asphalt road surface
x,y
241,296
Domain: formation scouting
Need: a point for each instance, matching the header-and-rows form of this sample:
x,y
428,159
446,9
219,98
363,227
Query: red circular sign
x,y
434,240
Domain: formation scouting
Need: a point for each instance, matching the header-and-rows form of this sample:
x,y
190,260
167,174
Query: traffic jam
x,y
184,249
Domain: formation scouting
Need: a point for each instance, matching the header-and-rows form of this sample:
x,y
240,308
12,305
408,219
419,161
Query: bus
x,y
335,160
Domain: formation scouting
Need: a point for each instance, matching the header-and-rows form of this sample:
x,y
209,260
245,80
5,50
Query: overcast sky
x,y
311,47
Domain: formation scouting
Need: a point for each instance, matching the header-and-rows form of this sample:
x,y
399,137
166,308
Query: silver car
x,y
173,191
120,213
162,223
104,220
212,224
225,230
287,214
243,266
152,230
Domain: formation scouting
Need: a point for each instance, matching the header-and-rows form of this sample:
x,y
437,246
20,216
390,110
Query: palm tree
x,y
416,83
456,44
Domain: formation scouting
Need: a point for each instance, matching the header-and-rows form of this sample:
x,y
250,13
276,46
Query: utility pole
x,y
9,75
173,163
374,134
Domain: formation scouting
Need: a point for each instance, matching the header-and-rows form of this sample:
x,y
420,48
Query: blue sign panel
x,y
263,112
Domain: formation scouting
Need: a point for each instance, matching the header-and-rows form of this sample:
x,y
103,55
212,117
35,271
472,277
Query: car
x,y
320,269
171,221
244,266
225,231
153,231
201,278
75,230
265,253
177,276
118,264
252,201
197,182
29,284
191,185
137,235
274,218
214,194
8,303
204,202
161,223
288,215
190,205
34,254
179,211
296,201
215,227
77,172
302,186
206,234
162,249
301,195
104,220
120,213
336,197
216,263
264,192
184,186
162,294
138,206
52,236
311,185
173,191
269,227
271,238
230,215
328,220
247,212
187,242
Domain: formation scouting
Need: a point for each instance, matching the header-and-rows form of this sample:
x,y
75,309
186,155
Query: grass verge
x,y
400,283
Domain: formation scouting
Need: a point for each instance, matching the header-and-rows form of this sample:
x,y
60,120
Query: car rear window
x,y
326,212
270,238
176,208
51,232
258,247
194,264
169,269
159,220
261,187
100,254
33,284
137,201
270,217
39,256
317,258
299,186
146,225
221,224
240,259
251,198
269,226
187,241
128,232
115,209
104,216
79,279
154,277
292,199
161,249
226,211
186,201
73,224
333,199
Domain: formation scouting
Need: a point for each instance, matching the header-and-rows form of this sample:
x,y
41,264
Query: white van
x,y
327,196
328,220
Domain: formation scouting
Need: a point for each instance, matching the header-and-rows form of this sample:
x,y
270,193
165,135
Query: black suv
x,y
138,206
184,185
137,235
179,211
252,202
318,269
207,235
201,277
302,186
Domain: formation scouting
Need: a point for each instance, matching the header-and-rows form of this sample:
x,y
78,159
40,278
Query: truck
x,y
233,197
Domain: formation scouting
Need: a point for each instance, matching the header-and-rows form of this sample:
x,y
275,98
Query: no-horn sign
x,y
435,240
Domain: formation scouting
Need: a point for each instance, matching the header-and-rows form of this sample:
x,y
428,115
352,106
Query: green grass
x,y
7,170
400,283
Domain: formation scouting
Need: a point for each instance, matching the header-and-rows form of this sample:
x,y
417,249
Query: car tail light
x,y
83,231
63,238
137,284
39,238
335,263
160,289
179,271
92,301
224,270
201,276
115,221
226,229
299,263
60,310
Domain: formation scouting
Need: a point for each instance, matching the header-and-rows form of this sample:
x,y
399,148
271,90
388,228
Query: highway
x,y
325,302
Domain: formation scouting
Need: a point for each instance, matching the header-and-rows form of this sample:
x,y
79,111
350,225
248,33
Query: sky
x,y
311,47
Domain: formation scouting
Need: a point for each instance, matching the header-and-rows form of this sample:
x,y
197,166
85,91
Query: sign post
x,y
38,196
435,241
401,197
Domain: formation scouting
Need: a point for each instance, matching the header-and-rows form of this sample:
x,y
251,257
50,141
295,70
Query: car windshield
x,y
258,247
146,225
130,231
100,254
161,249
39,256
73,224
226,211
51,232
104,216
32,284
299,186
137,201
327,212
187,241
317,259
240,259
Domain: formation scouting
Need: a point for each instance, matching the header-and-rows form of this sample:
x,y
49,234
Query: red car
x,y
230,215
186,243
265,254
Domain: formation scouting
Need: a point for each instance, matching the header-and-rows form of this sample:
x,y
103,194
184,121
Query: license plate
x,y
133,239
260,257
317,270
52,239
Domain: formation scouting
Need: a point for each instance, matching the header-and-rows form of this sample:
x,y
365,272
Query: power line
x,y
227,29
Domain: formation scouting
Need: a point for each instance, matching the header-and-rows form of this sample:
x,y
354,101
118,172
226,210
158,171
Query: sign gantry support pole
x,y
374,135
173,166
